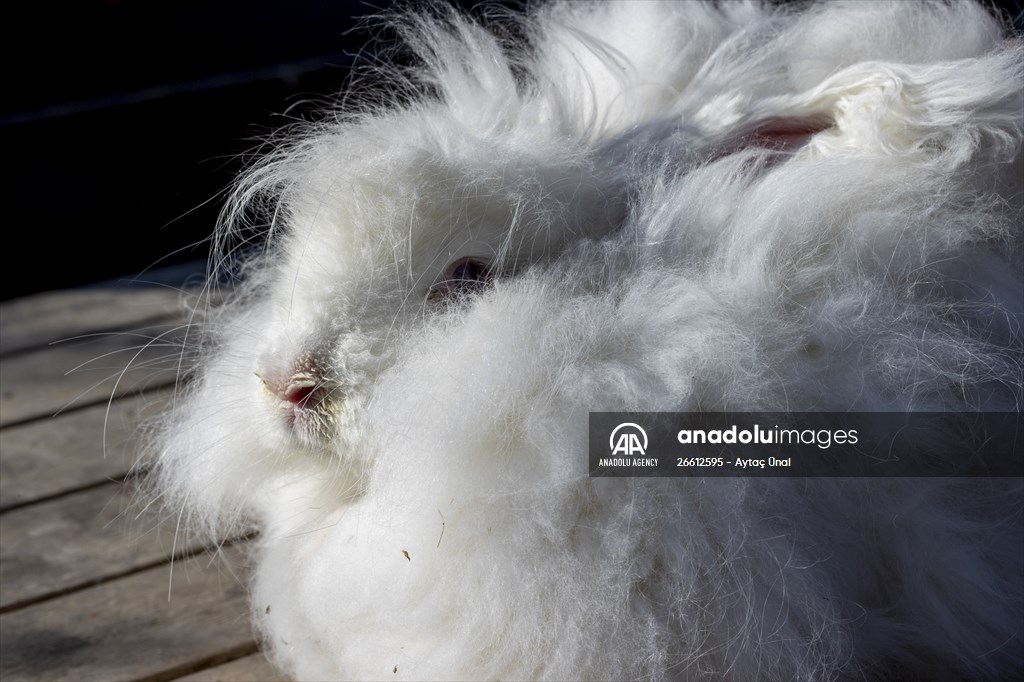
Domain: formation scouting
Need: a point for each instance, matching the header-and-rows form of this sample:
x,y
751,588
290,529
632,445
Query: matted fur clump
x,y
624,206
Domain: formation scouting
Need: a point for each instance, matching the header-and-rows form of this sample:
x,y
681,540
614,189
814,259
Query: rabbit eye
x,y
462,276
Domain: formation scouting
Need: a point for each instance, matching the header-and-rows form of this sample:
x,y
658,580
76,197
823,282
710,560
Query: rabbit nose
x,y
302,389
307,402
299,391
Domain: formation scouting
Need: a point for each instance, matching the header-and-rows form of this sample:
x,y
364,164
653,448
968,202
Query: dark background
x,y
125,120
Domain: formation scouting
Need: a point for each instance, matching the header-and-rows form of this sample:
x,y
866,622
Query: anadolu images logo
x,y
631,441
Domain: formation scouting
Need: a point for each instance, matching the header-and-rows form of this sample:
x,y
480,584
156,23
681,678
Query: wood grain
x,y
57,315
128,630
42,383
83,584
254,667
51,456
78,540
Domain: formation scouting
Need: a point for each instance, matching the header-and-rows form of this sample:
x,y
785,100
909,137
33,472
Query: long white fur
x,y
651,257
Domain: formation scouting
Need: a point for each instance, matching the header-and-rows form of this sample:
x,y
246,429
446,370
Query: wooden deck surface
x,y
86,586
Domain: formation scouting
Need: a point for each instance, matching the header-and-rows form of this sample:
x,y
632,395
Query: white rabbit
x,y
635,206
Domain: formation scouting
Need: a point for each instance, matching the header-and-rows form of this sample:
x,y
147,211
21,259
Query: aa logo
x,y
628,439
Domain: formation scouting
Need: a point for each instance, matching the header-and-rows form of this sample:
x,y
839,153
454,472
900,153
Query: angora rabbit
x,y
674,206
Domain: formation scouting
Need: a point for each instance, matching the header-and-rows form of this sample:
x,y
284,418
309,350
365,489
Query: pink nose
x,y
305,397
302,390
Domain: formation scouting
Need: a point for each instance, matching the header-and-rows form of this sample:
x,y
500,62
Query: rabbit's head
x,y
373,234
384,229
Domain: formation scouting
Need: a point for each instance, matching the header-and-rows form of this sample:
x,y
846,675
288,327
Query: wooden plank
x,y
57,315
128,630
77,540
51,456
44,382
254,668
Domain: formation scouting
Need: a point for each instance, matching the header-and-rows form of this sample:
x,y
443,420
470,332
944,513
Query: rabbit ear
x,y
680,145
777,133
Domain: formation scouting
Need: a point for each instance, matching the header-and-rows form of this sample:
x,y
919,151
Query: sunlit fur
x,y
651,248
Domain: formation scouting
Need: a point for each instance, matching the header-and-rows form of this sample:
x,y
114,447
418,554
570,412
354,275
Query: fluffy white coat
x,y
657,244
